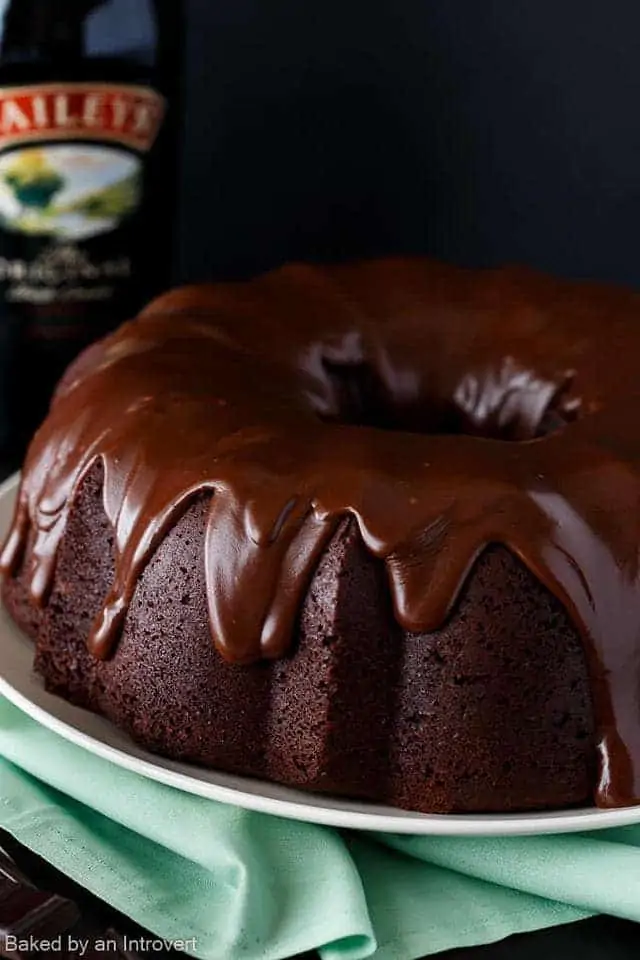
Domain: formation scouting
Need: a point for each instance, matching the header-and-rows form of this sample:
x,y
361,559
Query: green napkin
x,y
245,885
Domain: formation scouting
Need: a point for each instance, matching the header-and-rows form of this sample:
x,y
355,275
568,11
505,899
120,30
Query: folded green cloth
x,y
245,885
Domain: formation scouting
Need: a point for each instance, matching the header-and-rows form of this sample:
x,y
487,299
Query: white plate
x,y
24,688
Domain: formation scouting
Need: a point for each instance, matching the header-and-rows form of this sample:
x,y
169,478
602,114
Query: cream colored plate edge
x,y
20,685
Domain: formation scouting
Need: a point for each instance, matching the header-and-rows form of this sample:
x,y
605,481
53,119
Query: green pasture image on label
x,y
68,191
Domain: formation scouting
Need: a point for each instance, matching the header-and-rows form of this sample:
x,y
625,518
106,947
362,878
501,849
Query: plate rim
x,y
295,805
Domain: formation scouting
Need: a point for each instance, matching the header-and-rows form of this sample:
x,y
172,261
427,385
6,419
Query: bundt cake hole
x,y
360,398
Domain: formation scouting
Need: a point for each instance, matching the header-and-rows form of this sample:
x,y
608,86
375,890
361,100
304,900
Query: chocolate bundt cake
x,y
370,529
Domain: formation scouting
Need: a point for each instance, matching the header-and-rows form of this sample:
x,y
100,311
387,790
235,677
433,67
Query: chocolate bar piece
x,y
38,925
31,920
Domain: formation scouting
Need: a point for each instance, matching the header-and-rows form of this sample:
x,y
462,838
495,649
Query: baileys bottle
x,y
88,117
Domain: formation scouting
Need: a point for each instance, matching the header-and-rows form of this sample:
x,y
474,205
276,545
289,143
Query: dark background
x,y
477,130
481,131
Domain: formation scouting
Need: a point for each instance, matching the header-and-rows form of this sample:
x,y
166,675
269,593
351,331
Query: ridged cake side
x,y
492,712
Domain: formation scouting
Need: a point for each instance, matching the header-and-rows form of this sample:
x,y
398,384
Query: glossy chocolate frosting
x,y
416,397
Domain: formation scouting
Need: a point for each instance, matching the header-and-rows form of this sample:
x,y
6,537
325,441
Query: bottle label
x,y
129,115
71,174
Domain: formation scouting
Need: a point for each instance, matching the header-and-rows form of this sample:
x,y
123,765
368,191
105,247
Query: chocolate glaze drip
x,y
271,395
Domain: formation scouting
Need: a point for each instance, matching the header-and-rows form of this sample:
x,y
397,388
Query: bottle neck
x,y
38,30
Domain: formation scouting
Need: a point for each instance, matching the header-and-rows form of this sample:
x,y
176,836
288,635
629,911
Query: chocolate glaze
x,y
312,393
